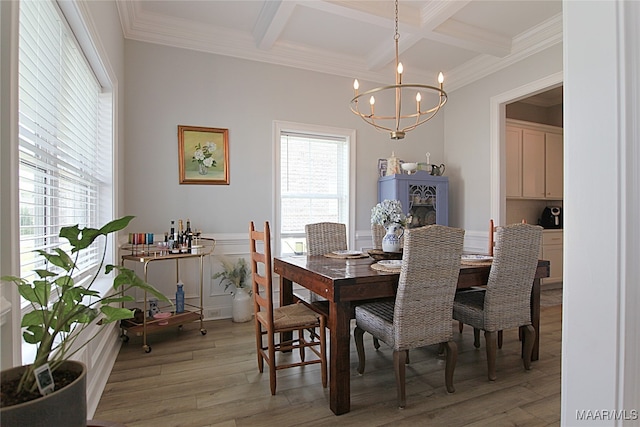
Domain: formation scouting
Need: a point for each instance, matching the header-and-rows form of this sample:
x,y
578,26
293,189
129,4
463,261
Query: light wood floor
x,y
213,380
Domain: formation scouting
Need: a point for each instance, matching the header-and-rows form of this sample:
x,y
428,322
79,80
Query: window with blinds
x,y
64,141
314,183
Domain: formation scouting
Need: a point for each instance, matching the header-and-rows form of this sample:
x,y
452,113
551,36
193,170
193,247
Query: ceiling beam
x,y
271,22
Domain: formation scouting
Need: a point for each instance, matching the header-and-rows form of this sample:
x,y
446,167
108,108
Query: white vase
x,y
242,306
391,240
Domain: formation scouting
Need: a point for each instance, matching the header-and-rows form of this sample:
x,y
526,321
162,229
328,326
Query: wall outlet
x,y
213,313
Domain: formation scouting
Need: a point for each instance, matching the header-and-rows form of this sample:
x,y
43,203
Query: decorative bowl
x,y
409,167
379,255
160,316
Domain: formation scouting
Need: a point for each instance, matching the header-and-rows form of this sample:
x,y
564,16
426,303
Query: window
x,y
314,181
65,137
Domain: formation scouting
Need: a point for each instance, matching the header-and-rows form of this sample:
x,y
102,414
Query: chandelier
x,y
395,121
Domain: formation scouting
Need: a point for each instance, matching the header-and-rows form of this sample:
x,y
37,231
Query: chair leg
x,y
272,363
460,326
399,362
358,338
451,349
323,350
490,338
476,337
529,338
376,343
259,346
499,339
302,344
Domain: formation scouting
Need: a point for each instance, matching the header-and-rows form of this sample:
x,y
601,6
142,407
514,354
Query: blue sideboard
x,y
424,197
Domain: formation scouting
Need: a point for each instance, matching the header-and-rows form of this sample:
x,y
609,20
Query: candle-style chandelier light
x,y
395,122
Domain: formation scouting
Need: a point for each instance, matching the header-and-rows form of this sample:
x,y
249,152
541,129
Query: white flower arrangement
x,y
387,212
204,154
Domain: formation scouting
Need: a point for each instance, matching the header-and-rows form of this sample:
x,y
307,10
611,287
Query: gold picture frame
x,y
203,155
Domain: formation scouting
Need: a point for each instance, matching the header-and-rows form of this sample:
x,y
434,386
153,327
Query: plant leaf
x,y
113,314
129,277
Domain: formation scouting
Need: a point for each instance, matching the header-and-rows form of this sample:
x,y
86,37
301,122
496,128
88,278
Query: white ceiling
x,y
466,39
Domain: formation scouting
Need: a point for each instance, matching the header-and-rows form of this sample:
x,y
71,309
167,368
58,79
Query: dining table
x,y
347,282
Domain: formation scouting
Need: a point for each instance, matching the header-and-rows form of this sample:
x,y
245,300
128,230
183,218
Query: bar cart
x,y
192,313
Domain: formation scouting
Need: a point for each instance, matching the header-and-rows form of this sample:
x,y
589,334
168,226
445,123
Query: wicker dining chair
x,y
325,237
422,311
505,302
270,321
491,246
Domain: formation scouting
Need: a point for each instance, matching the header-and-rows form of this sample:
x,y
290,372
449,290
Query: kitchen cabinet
x,y
423,196
552,245
534,161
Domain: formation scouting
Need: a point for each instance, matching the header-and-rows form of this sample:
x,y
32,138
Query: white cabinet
x,y
534,161
554,177
552,244
513,148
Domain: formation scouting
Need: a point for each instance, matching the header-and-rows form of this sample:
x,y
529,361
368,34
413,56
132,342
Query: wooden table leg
x,y
535,317
286,298
339,362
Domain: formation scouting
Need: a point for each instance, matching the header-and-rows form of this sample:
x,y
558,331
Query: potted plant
x,y
236,275
61,310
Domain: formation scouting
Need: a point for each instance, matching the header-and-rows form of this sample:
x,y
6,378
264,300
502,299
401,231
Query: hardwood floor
x,y
213,380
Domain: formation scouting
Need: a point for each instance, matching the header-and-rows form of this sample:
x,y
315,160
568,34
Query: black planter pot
x,y
65,407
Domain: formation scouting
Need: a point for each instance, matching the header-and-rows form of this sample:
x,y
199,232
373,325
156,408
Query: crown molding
x,y
151,28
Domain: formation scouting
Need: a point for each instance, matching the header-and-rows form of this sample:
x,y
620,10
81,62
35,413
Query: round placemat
x,y
379,267
332,255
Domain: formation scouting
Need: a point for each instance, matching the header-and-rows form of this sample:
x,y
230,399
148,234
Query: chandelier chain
x,y
397,35
392,118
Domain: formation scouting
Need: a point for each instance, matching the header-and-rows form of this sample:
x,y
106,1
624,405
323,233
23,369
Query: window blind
x,y
314,181
59,125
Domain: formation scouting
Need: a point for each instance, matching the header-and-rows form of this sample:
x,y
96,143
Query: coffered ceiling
x,y
466,39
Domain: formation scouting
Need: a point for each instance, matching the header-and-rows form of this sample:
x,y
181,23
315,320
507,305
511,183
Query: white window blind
x,y
59,134
314,183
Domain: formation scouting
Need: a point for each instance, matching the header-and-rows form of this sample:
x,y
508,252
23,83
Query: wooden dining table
x,y
347,282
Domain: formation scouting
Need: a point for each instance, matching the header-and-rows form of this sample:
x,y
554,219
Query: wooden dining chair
x,y
270,322
506,301
422,311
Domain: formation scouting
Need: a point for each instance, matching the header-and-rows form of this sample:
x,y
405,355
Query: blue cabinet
x,y
424,197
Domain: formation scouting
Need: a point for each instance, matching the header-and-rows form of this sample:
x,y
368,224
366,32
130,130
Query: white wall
x,y
467,137
167,87
600,369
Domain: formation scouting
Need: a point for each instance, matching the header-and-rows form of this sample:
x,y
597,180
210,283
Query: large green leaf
x,y
59,259
128,277
113,314
33,334
35,317
116,225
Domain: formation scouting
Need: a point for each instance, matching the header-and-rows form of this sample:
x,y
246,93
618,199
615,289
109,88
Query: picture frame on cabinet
x,y
203,155
382,167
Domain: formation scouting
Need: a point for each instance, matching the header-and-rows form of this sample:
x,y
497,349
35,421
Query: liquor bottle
x,y
172,237
180,234
188,236
180,298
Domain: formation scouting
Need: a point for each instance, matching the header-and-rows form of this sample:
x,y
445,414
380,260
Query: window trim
x,y
350,135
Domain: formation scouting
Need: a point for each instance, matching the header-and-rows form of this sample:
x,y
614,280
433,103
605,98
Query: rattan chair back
x,y
325,237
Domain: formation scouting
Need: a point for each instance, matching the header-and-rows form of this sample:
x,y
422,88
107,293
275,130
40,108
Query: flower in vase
x,y
387,212
204,154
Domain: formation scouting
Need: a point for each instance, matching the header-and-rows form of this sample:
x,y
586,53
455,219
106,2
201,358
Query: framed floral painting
x,y
203,155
